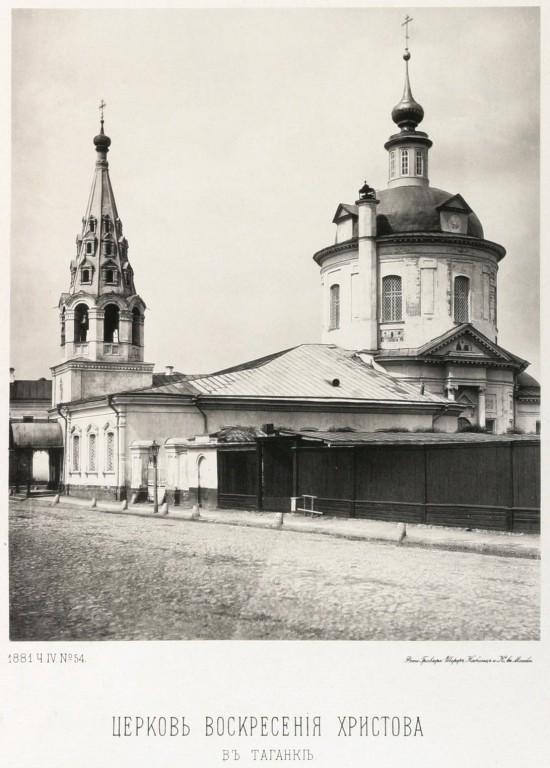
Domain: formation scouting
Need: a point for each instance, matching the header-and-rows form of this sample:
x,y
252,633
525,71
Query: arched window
x,y
92,452
391,298
462,299
404,162
63,326
92,223
85,277
81,323
136,317
334,306
76,453
109,452
419,162
89,248
392,164
110,323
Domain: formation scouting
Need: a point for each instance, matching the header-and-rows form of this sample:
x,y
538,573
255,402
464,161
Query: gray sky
x,y
235,134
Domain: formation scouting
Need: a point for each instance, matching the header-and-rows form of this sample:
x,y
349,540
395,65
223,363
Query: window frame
x,y
392,299
76,451
405,164
109,469
419,161
461,303
335,314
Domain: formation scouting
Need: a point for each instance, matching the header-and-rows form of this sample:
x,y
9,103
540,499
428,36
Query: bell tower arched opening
x,y
81,323
111,322
136,321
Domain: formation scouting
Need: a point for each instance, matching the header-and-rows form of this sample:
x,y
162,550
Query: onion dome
x,y
408,113
101,141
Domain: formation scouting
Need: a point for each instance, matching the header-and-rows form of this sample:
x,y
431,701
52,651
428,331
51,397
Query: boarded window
x,y
462,299
391,298
334,306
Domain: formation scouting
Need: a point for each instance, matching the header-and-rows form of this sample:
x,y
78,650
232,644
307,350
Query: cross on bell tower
x,y
101,314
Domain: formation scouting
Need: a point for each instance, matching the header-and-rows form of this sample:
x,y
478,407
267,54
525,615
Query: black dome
x,y
414,209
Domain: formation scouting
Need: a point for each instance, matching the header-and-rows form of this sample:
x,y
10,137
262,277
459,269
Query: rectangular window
x,y
391,298
462,299
493,302
92,445
419,162
334,321
404,162
486,296
89,248
427,290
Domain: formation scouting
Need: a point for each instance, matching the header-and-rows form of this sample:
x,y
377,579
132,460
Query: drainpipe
x,y
65,450
112,407
203,414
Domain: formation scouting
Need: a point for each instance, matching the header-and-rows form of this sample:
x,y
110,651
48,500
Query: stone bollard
x,y
93,503
124,505
134,498
56,499
401,531
195,514
164,508
279,520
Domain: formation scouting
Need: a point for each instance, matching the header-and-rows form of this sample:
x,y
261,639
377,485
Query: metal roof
x,y
31,389
407,438
36,435
315,371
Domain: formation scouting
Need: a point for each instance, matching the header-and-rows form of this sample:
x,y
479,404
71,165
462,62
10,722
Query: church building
x,y
412,281
409,342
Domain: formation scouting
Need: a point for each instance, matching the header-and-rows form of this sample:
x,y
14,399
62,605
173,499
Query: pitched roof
x,y
311,371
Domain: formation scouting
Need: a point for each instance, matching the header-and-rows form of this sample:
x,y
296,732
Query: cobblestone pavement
x,y
82,574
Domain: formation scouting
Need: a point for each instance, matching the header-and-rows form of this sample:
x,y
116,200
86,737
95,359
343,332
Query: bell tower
x,y
101,316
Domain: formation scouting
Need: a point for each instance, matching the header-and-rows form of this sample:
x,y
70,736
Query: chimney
x,y
12,375
169,370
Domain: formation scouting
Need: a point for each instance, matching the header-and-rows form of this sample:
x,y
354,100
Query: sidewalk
x,y
503,544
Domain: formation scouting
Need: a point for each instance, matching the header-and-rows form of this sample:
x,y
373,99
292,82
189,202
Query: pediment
x,y
456,203
343,211
464,400
470,345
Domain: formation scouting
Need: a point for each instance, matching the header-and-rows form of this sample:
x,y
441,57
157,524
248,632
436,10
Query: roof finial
x,y
405,24
102,142
408,113
102,106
